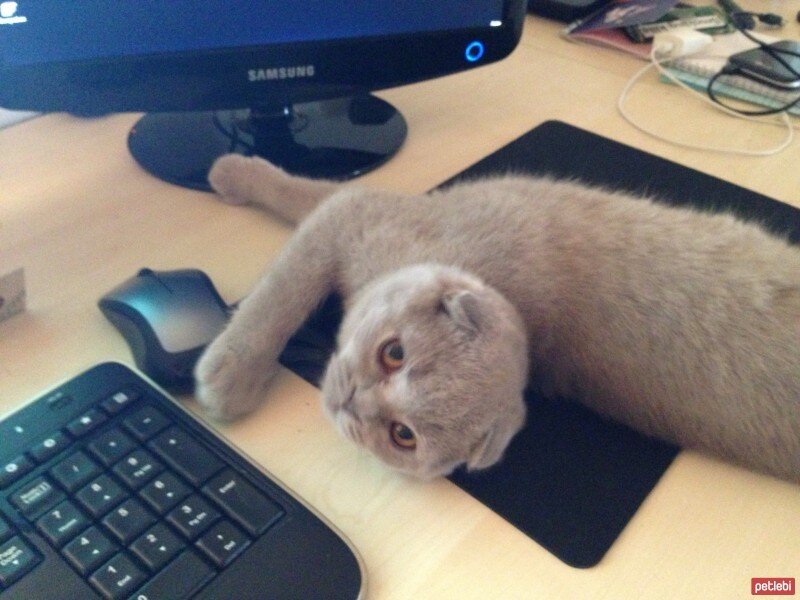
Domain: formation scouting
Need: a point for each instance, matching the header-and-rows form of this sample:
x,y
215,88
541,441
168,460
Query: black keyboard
x,y
109,489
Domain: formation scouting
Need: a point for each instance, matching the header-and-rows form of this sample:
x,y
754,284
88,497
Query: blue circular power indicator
x,y
474,51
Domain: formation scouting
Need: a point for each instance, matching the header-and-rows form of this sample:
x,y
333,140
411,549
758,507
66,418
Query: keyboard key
x,y
193,516
75,471
86,422
187,456
5,530
16,559
157,546
182,578
13,470
100,496
138,468
62,523
111,445
128,520
49,447
242,501
223,543
89,550
146,422
35,497
164,492
120,400
118,578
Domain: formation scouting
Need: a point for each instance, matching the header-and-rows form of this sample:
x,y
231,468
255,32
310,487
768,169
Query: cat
x,y
681,324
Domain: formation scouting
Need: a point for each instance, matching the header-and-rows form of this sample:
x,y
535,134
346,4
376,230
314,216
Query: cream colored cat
x,y
682,325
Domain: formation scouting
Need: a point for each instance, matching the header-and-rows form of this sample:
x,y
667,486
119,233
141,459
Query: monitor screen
x,y
69,31
284,79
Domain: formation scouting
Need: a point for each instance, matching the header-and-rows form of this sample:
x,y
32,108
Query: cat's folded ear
x,y
491,447
465,309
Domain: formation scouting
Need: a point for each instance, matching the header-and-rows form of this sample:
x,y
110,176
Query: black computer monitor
x,y
288,80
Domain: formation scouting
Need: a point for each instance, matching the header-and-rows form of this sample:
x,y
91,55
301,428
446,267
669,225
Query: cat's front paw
x,y
226,385
229,178
242,179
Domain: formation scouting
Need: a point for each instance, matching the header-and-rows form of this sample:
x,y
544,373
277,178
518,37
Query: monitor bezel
x,y
219,79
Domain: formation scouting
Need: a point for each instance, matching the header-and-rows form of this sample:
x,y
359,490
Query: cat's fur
x,y
683,325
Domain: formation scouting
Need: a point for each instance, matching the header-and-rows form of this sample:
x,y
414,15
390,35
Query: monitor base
x,y
330,139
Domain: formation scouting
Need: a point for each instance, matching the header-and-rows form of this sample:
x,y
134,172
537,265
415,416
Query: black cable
x,y
774,53
752,113
735,18
232,134
742,19
771,19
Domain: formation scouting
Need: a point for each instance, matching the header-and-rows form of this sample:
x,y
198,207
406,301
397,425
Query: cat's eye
x,y
391,356
402,436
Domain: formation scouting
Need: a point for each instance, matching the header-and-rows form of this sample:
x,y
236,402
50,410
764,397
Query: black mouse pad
x,y
570,479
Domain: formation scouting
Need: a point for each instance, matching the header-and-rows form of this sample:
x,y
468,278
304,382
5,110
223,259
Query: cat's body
x,y
682,325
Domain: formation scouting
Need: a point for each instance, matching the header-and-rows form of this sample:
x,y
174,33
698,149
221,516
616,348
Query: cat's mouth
x,y
346,415
345,418
347,408
342,401
339,400
348,425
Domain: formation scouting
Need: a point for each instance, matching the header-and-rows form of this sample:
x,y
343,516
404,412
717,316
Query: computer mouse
x,y
167,318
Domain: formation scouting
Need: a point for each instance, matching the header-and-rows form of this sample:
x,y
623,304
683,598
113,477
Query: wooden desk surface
x,y
81,216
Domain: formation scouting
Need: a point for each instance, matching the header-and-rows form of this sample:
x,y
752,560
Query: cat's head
x,y
429,371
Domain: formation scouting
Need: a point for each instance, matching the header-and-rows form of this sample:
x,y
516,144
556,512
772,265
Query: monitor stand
x,y
331,139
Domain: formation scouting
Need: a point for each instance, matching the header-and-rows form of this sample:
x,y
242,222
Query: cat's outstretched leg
x,y
251,180
236,368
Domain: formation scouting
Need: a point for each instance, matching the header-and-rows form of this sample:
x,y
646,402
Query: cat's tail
x,y
251,180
